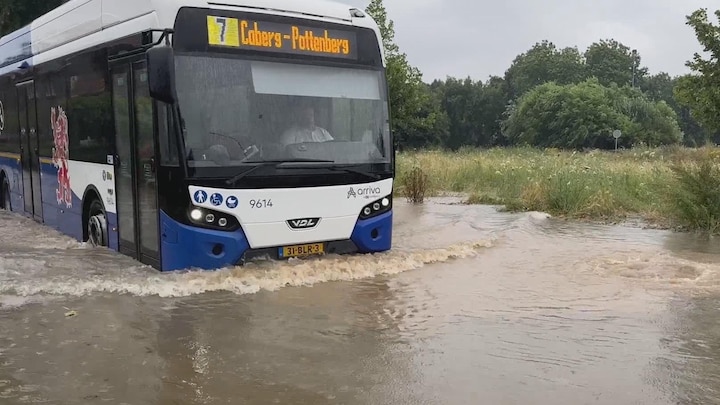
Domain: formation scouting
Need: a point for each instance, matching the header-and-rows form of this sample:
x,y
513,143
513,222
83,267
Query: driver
x,y
305,129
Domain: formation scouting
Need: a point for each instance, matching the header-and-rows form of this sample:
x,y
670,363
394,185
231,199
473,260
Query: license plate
x,y
310,249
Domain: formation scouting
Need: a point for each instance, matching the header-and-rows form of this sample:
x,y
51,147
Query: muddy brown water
x,y
472,306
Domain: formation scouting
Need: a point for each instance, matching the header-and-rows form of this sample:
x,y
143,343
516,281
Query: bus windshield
x,y
237,111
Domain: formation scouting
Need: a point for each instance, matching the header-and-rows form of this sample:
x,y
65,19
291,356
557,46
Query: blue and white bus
x,y
200,134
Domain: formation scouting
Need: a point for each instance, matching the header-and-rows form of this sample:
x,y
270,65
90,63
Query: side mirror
x,y
161,74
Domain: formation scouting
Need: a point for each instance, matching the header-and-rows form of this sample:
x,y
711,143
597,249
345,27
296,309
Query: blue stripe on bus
x,y
59,216
186,247
69,220
65,220
367,240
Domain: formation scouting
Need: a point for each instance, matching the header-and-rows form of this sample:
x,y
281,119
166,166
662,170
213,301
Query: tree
x,y
473,110
429,127
460,100
613,62
661,87
410,101
544,63
701,91
571,116
495,99
584,115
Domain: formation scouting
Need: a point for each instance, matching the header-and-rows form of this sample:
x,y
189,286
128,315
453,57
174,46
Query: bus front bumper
x,y
187,247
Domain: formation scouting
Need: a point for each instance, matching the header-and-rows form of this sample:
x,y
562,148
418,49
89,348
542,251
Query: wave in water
x,y
250,279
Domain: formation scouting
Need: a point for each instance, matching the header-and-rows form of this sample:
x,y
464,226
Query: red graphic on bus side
x,y
59,123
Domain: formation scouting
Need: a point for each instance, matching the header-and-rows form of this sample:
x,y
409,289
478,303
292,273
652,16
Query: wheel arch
x,y
91,193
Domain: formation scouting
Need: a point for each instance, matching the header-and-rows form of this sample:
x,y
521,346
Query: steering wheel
x,y
218,154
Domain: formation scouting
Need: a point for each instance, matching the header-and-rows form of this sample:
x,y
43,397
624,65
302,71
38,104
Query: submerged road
x,y
472,306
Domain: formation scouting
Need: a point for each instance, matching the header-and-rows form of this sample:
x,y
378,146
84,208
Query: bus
x,y
198,134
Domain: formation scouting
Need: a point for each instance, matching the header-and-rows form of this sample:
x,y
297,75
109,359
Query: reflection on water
x,y
695,343
471,306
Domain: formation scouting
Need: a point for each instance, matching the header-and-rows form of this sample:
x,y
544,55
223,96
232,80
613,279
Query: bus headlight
x,y
375,208
207,218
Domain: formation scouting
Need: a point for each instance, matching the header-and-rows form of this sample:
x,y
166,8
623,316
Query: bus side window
x,y
167,135
88,108
9,131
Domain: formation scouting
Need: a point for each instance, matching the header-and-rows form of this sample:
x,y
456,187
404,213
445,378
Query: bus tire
x,y
6,204
97,224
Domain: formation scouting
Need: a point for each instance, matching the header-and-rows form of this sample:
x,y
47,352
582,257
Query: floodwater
x,y
472,306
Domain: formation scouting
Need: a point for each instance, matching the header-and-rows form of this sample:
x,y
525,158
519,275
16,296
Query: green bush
x,y
696,199
415,184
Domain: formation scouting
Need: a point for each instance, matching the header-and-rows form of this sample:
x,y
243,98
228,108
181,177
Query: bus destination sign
x,y
274,37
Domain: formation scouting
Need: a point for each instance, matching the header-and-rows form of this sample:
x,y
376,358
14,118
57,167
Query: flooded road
x,y
472,306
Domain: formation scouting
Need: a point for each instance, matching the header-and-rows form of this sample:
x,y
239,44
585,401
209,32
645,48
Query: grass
x,y
416,184
667,187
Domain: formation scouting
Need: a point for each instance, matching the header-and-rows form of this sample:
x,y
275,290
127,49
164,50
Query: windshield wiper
x,y
231,181
369,175
304,160
227,137
275,163
278,163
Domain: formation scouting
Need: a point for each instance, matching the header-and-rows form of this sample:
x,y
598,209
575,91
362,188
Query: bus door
x,y
135,169
29,150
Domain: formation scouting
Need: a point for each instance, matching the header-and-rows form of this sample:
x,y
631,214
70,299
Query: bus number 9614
x,y
261,203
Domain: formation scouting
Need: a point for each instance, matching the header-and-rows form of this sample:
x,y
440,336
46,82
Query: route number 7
x,y
223,27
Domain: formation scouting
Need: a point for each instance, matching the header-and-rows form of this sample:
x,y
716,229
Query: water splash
x,y
249,279
661,269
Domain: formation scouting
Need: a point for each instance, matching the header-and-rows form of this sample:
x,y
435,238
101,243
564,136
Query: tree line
x,y
548,96
559,97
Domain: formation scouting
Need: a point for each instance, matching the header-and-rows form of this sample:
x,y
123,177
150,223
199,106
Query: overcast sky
x,y
479,38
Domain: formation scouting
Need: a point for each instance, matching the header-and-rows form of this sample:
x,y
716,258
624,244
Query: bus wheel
x,y
97,225
6,205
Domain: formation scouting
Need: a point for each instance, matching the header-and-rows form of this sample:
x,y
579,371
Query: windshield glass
x,y
237,111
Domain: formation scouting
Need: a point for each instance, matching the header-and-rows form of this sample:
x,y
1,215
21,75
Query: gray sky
x,y
479,38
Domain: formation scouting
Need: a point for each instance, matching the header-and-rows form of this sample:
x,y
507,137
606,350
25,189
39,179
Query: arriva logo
x,y
367,192
303,223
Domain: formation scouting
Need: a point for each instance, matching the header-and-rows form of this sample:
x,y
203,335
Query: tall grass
x,y
670,186
697,196
414,184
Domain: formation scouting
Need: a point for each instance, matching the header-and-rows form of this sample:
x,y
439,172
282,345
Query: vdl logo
x,y
303,223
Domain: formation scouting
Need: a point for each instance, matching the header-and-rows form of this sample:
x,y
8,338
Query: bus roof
x,y
79,24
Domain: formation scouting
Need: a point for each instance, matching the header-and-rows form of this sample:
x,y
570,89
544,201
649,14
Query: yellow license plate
x,y
311,249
